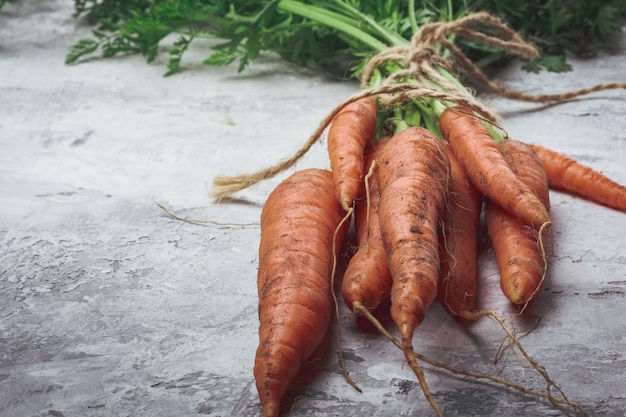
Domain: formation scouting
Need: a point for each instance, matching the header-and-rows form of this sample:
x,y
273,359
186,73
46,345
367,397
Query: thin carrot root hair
x,y
415,367
559,402
366,179
344,367
407,348
542,249
202,222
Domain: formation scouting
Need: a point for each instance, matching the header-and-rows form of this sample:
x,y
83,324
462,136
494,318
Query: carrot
x,y
349,133
566,174
458,281
367,280
485,166
413,177
518,248
298,224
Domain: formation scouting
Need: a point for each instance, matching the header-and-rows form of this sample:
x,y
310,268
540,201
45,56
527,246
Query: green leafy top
x,y
324,31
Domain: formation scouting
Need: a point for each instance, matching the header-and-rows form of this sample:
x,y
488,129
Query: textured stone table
x,y
109,307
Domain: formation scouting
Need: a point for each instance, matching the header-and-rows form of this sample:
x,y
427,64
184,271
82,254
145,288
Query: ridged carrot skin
x,y
566,174
349,133
486,168
458,280
367,278
517,246
295,264
413,175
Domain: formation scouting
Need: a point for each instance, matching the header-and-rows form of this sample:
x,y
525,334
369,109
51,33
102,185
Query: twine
x,y
421,78
227,185
437,33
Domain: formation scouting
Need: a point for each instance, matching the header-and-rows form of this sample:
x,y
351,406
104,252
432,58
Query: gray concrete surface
x,y
109,307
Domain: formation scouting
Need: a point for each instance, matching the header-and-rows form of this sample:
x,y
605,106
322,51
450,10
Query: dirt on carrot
x,y
566,174
519,248
367,280
413,177
458,280
298,224
349,134
486,168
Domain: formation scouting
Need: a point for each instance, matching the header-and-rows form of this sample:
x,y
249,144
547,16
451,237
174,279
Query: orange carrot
x,y
298,224
413,175
566,174
349,133
367,279
485,166
518,248
458,281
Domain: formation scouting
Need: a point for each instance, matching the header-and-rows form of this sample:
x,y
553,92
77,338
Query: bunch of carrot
x,y
416,200
416,161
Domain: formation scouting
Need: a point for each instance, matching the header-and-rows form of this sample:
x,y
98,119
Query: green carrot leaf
x,y
81,48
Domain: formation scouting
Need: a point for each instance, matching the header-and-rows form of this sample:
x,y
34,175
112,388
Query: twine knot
x,y
430,51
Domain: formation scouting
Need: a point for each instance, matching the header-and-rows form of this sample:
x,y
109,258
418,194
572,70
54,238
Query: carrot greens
x,y
326,31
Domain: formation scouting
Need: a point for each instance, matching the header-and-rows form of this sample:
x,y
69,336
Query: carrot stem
x,y
331,19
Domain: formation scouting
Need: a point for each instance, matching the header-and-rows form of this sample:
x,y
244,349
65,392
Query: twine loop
x,y
431,50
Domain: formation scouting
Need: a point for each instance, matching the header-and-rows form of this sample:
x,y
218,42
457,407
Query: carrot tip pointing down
x,y
299,224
